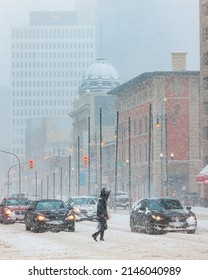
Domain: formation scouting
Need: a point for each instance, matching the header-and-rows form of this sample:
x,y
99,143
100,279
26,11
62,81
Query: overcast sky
x,y
16,13
138,35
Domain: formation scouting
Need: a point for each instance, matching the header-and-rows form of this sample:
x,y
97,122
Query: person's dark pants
x,y
103,227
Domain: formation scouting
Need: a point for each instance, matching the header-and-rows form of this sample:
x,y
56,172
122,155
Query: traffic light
x,y
13,174
85,160
31,163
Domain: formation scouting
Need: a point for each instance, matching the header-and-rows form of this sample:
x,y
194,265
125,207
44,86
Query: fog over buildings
x,y
135,36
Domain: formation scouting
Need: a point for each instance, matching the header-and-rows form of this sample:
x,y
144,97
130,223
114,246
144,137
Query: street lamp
x,y
165,137
18,164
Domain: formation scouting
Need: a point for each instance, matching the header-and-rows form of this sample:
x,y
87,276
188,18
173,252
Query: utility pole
x,y
116,160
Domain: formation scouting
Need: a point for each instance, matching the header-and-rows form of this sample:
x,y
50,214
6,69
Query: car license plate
x,y
55,222
176,224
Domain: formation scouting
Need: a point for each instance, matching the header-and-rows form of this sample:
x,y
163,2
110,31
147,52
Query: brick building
x,y
171,100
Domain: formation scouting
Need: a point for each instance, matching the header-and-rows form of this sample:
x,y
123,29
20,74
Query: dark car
x,y
13,209
49,214
161,215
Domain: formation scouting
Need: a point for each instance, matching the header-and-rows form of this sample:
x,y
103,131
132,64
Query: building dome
x,y
100,76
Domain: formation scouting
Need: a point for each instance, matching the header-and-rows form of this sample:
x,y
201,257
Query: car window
x,y
92,202
171,204
12,202
50,205
164,204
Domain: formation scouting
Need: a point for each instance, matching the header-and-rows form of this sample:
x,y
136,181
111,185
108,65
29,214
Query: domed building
x,y
100,76
93,120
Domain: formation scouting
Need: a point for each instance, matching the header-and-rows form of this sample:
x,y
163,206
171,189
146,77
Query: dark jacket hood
x,y
105,192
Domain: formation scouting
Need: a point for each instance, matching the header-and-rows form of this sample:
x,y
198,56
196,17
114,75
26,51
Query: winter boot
x,y
94,236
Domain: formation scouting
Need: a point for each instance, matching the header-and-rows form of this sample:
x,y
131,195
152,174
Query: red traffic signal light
x,y
31,163
85,159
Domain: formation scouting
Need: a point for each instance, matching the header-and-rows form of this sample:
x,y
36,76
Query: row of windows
x,y
43,93
51,64
51,84
52,46
40,112
50,102
51,55
53,33
135,100
47,74
139,125
140,153
18,151
20,103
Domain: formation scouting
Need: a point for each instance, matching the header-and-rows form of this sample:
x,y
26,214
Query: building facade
x,y
93,118
49,58
159,133
204,90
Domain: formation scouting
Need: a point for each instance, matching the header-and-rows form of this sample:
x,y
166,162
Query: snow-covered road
x,y
120,242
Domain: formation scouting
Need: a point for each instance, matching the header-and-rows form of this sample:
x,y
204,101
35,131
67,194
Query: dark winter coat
x,y
102,214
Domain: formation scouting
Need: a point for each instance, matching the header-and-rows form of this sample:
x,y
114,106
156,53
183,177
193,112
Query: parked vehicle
x,y
21,195
49,214
122,200
87,206
161,215
13,209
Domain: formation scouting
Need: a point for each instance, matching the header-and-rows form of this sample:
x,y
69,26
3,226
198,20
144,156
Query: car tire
x,y
132,226
191,231
27,228
36,229
148,229
71,229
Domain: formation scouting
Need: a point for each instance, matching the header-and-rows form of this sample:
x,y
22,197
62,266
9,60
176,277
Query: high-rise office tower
x,y
49,58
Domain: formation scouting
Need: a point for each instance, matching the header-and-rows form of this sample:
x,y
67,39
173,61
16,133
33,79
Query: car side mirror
x,y
70,207
188,208
142,208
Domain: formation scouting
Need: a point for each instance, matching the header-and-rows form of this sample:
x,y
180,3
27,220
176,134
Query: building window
x,y
206,133
135,127
140,126
146,124
205,58
140,152
205,106
205,82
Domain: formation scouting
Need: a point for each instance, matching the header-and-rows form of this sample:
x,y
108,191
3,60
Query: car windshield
x,y
13,202
50,205
164,204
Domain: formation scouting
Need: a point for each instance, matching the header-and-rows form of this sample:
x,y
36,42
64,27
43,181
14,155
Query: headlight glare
x,y
70,217
40,218
157,217
7,211
77,210
191,220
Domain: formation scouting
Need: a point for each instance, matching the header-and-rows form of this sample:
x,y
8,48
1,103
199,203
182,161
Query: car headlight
x,y
157,217
40,218
70,217
77,210
7,211
191,220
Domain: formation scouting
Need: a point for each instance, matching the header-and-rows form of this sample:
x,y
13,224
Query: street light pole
x,y
19,167
166,152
